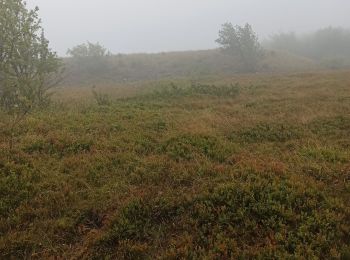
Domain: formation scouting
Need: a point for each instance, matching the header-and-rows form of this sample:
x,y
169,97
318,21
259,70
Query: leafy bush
x,y
241,43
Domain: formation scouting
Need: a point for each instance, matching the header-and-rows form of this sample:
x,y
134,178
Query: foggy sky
x,y
127,26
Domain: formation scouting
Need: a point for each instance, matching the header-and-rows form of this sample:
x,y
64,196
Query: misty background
x,y
134,26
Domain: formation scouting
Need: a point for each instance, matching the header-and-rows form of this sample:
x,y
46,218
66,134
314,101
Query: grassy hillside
x,y
189,64
248,166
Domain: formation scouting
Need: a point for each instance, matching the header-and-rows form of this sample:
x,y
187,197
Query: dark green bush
x,y
59,147
220,91
198,89
187,147
268,133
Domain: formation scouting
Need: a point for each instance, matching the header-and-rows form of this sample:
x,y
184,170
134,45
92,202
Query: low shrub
x,y
198,89
267,133
325,154
257,215
59,147
101,98
336,126
187,147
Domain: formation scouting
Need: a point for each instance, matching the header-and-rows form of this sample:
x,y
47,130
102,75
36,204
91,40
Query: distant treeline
x,y
136,67
193,64
330,46
327,48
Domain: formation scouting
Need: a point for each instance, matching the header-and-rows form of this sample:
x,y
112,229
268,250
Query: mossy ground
x,y
245,167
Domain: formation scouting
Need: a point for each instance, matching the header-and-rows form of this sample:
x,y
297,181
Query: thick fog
x,y
126,26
